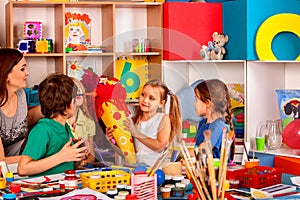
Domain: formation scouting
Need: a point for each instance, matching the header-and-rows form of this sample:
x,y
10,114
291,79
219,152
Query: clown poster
x,y
77,31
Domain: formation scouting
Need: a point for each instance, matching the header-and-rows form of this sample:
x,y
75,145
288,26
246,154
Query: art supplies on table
x,y
144,186
260,194
239,194
279,189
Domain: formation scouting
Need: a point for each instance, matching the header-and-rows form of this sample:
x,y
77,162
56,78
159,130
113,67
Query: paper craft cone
x,y
113,117
112,109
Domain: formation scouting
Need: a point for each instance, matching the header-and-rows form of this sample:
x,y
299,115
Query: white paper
x,y
99,195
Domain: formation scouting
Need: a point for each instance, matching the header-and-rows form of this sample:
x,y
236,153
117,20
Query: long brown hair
x,y
217,92
8,59
174,112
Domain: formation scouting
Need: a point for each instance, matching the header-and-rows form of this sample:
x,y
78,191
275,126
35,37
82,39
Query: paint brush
x,y
210,163
159,161
248,157
191,170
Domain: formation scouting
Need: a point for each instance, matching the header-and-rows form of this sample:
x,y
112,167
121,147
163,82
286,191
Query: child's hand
x,y
73,152
109,135
130,126
85,143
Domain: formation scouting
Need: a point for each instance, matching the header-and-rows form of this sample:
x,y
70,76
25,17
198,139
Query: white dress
x,y
150,129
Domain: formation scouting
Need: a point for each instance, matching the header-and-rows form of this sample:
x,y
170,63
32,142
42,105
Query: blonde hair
x,y
83,106
174,112
81,24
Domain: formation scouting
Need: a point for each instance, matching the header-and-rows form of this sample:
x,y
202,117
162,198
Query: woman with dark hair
x,y
14,116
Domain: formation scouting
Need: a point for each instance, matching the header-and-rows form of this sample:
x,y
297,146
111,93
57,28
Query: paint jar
x,y
2,183
188,184
119,197
121,187
123,193
234,184
9,177
61,185
128,188
70,181
165,192
111,192
177,192
131,197
9,196
170,186
180,185
15,188
168,180
177,178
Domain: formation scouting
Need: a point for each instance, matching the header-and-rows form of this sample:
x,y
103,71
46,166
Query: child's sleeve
x,y
36,145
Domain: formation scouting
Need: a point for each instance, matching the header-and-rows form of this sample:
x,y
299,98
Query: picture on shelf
x,y
76,68
77,31
132,71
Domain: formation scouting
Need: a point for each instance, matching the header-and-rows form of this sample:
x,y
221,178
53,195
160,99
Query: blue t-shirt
x,y
216,128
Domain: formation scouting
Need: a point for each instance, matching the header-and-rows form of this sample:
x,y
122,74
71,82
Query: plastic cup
x,y
260,143
251,163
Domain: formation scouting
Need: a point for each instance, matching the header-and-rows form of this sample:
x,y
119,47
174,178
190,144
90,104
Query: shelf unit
x,y
260,79
114,25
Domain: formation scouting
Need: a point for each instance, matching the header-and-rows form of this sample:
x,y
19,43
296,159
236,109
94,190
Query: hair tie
x,y
170,92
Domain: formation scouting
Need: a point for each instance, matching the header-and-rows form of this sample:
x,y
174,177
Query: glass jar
x,y
70,181
274,131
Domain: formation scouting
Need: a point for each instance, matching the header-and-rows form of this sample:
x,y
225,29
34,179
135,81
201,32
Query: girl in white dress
x,y
152,129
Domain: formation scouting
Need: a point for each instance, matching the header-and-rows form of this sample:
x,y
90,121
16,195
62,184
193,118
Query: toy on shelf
x,y
44,46
32,30
215,49
27,46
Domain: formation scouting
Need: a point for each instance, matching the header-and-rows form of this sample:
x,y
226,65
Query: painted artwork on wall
x,y
77,31
133,74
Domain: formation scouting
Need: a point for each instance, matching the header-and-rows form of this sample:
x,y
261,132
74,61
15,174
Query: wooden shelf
x,y
110,21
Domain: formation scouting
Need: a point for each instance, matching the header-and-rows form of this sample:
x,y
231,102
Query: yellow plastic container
x,y
104,180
